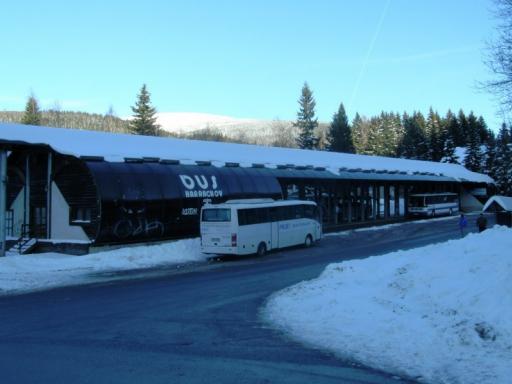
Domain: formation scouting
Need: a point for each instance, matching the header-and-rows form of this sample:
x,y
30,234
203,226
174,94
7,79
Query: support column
x,y
349,205
362,201
375,206
26,203
49,196
3,198
397,200
386,201
406,200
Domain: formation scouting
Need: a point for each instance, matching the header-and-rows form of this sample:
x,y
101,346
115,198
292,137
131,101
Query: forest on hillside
x,y
70,119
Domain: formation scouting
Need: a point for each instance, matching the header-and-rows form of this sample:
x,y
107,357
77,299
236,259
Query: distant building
x,y
67,187
502,206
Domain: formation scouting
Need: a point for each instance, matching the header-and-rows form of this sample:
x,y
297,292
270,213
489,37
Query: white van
x,y
255,226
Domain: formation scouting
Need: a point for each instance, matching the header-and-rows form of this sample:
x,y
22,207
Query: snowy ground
x,y
439,314
25,273
387,226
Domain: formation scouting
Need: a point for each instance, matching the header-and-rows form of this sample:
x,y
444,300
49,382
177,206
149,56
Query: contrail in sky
x,y
368,54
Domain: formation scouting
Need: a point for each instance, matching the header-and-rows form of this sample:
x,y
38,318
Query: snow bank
x,y
48,270
441,313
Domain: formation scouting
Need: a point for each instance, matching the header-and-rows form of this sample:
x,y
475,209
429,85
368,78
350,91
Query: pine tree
x,y
388,131
422,145
482,129
490,155
144,120
306,121
473,160
433,133
461,136
339,137
360,133
32,115
414,142
448,144
504,162
374,144
454,130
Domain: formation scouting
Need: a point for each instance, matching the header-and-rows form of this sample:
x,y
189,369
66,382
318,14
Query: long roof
x,y
115,147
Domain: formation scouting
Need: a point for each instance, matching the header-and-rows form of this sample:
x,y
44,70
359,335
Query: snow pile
x,y
48,270
441,313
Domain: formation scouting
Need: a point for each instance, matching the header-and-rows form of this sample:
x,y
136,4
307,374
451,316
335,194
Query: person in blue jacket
x,y
463,223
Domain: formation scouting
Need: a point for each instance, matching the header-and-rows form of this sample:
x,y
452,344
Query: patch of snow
x,y
394,225
460,154
23,273
186,122
440,313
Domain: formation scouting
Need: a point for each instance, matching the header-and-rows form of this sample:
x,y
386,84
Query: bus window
x,y
416,201
298,211
242,217
309,211
273,214
217,214
288,213
252,216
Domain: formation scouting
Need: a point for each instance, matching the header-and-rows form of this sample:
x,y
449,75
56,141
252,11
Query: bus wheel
x,y
262,249
308,242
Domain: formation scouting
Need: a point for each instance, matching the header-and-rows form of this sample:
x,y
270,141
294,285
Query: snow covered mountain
x,y
248,130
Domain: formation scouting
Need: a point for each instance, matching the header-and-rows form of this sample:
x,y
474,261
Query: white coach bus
x,y
433,204
255,226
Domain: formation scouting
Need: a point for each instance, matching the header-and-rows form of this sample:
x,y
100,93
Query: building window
x,y
9,222
80,215
40,216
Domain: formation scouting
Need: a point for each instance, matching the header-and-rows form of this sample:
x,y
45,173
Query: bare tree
x,y
499,59
284,134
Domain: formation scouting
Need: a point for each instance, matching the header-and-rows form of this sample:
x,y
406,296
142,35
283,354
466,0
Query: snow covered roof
x,y
504,202
116,147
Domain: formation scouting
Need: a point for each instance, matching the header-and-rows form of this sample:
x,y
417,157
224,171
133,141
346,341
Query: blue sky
x,y
248,58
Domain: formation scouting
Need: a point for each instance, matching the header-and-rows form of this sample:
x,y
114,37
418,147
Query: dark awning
x,y
138,181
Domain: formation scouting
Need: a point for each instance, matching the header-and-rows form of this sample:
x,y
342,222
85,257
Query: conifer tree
x,y
374,144
422,145
360,128
473,160
144,120
339,137
433,133
388,133
306,121
414,142
490,155
461,136
448,153
482,129
32,115
503,170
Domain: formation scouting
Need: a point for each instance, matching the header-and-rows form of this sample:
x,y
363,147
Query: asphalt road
x,y
195,324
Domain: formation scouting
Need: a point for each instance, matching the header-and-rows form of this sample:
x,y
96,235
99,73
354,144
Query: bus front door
x,y
274,234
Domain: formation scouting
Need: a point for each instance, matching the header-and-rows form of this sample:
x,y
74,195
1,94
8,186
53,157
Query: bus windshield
x,y
217,215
